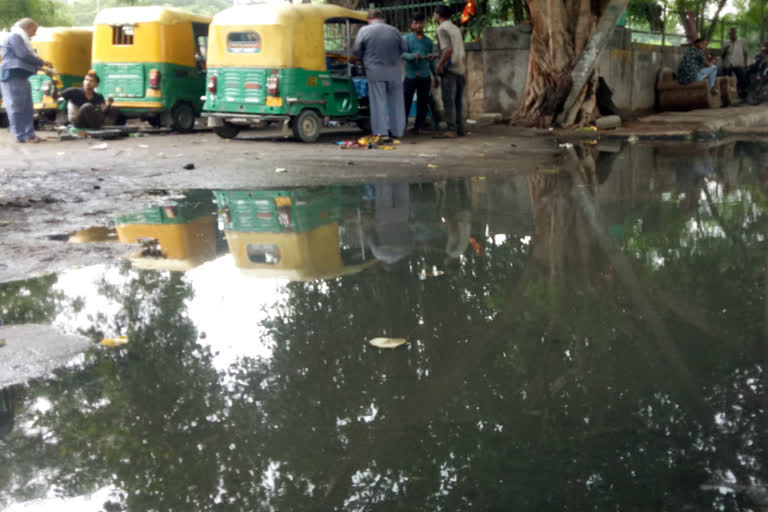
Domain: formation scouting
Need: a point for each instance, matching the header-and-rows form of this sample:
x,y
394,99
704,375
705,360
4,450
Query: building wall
x,y
629,69
475,86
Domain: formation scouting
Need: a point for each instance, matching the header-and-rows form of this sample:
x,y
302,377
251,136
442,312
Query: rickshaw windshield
x,y
338,40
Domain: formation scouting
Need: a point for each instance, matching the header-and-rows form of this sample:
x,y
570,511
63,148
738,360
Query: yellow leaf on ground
x,y
387,342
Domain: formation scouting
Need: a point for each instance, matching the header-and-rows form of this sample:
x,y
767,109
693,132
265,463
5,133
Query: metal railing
x,y
400,15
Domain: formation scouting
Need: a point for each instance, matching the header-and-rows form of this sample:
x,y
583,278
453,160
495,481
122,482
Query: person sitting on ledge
x,y
87,109
695,65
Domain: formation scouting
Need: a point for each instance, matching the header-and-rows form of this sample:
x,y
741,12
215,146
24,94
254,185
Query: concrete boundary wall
x,y
629,69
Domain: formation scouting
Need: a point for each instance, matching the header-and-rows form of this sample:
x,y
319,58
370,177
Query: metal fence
x,y
400,15
676,36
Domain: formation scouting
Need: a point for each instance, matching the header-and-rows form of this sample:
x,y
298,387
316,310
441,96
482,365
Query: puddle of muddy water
x,y
574,340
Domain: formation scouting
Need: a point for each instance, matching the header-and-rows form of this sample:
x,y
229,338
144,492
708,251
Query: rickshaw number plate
x,y
274,101
282,201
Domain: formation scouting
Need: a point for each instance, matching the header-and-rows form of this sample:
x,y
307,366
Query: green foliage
x,y
45,12
29,301
84,11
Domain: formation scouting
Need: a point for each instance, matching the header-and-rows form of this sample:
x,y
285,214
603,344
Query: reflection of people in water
x,y
7,411
455,209
390,238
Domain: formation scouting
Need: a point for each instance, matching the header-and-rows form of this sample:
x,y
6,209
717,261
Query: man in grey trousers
x,y
380,46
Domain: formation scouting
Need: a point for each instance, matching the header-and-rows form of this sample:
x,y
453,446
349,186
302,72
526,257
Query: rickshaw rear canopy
x,y
149,14
290,36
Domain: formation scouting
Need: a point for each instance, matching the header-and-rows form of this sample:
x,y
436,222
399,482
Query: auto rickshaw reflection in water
x,y
300,234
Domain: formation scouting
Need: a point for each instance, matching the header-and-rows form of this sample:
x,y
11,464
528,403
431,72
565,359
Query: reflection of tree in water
x,y
561,375
142,417
7,410
29,301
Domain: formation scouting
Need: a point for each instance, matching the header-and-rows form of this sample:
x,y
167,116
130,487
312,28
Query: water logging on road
x,y
590,337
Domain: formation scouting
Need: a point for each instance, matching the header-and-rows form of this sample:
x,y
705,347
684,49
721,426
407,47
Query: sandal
x,y
33,140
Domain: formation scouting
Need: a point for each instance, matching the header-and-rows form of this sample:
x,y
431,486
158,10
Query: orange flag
x,y
469,11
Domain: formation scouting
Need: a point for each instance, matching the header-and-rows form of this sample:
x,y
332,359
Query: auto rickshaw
x,y
151,60
69,50
287,63
298,234
176,237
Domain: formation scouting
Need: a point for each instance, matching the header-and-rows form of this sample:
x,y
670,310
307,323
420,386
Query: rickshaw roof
x,y
148,14
47,32
283,14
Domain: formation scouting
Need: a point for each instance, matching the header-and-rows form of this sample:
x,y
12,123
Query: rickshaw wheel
x,y
183,117
227,130
306,126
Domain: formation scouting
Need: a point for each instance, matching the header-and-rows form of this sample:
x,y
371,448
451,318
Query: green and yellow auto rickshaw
x,y
69,50
298,234
287,63
151,60
176,237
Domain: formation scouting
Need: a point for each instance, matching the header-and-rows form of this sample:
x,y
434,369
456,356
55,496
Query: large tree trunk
x,y
561,30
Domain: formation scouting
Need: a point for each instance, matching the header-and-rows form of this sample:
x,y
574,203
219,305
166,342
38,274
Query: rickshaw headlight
x,y
212,84
154,78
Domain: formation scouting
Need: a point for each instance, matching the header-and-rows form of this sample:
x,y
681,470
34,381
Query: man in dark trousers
x,y
380,47
87,109
452,68
419,70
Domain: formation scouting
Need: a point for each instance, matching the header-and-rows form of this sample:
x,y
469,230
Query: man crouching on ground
x,y
87,109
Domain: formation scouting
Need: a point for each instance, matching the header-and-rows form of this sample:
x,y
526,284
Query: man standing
x,y
419,69
451,67
380,46
86,108
19,62
735,58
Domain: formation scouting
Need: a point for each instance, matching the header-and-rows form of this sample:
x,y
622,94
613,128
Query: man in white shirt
x,y
736,58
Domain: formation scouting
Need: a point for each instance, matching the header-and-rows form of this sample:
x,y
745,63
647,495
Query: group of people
x,y
86,108
381,48
697,64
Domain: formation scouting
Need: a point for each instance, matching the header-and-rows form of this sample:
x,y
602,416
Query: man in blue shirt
x,y
419,70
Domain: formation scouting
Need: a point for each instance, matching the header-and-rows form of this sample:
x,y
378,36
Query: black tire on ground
x,y
3,120
120,120
306,126
227,131
183,117
155,122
